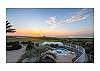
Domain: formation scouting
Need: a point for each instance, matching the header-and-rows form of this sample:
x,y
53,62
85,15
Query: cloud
x,y
75,18
81,15
82,11
52,20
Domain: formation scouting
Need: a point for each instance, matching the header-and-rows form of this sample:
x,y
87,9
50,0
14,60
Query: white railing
x,y
81,58
80,51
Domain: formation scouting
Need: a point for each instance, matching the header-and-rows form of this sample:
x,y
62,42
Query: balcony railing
x,y
80,53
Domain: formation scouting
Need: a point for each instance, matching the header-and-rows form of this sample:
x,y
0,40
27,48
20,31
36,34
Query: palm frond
x,y
9,28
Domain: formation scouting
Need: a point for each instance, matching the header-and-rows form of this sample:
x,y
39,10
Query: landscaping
x,y
38,54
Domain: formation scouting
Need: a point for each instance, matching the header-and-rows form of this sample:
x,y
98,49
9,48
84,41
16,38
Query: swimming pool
x,y
60,51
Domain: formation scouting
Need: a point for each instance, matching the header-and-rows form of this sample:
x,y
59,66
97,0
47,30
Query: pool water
x,y
61,51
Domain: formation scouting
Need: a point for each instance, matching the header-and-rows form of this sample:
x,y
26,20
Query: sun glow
x,y
52,22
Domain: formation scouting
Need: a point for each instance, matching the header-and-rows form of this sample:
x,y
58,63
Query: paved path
x,y
65,58
14,55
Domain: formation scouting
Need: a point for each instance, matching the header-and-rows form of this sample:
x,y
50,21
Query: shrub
x,y
37,54
14,46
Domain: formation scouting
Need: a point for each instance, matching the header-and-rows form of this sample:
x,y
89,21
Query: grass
x,y
33,39
52,39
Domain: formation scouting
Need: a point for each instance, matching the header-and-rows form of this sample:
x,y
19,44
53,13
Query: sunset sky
x,y
60,22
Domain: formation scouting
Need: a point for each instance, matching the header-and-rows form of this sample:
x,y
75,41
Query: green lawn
x,y
33,39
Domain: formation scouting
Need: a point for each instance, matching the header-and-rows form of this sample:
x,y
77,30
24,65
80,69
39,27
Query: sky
x,y
52,22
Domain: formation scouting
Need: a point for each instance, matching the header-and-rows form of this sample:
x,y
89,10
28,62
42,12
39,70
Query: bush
x,y
9,43
52,45
29,46
47,59
14,46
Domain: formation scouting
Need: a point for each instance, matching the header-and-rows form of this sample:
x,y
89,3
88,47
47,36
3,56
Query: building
x,y
49,43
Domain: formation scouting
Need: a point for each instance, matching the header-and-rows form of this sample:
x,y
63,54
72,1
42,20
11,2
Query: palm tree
x,y
8,28
39,55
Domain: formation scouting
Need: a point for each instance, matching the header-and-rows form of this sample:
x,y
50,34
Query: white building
x,y
49,43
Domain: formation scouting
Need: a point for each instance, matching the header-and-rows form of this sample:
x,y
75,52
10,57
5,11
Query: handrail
x,y
80,58
83,55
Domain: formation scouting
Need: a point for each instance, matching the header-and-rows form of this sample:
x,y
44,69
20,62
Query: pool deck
x,y
13,56
65,58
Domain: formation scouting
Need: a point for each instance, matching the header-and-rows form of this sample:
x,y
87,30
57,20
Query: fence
x,y
81,58
80,51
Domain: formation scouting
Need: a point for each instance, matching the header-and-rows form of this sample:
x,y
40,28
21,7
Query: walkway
x,y
14,55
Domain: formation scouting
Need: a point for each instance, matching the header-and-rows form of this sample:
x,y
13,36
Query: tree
x,y
9,28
